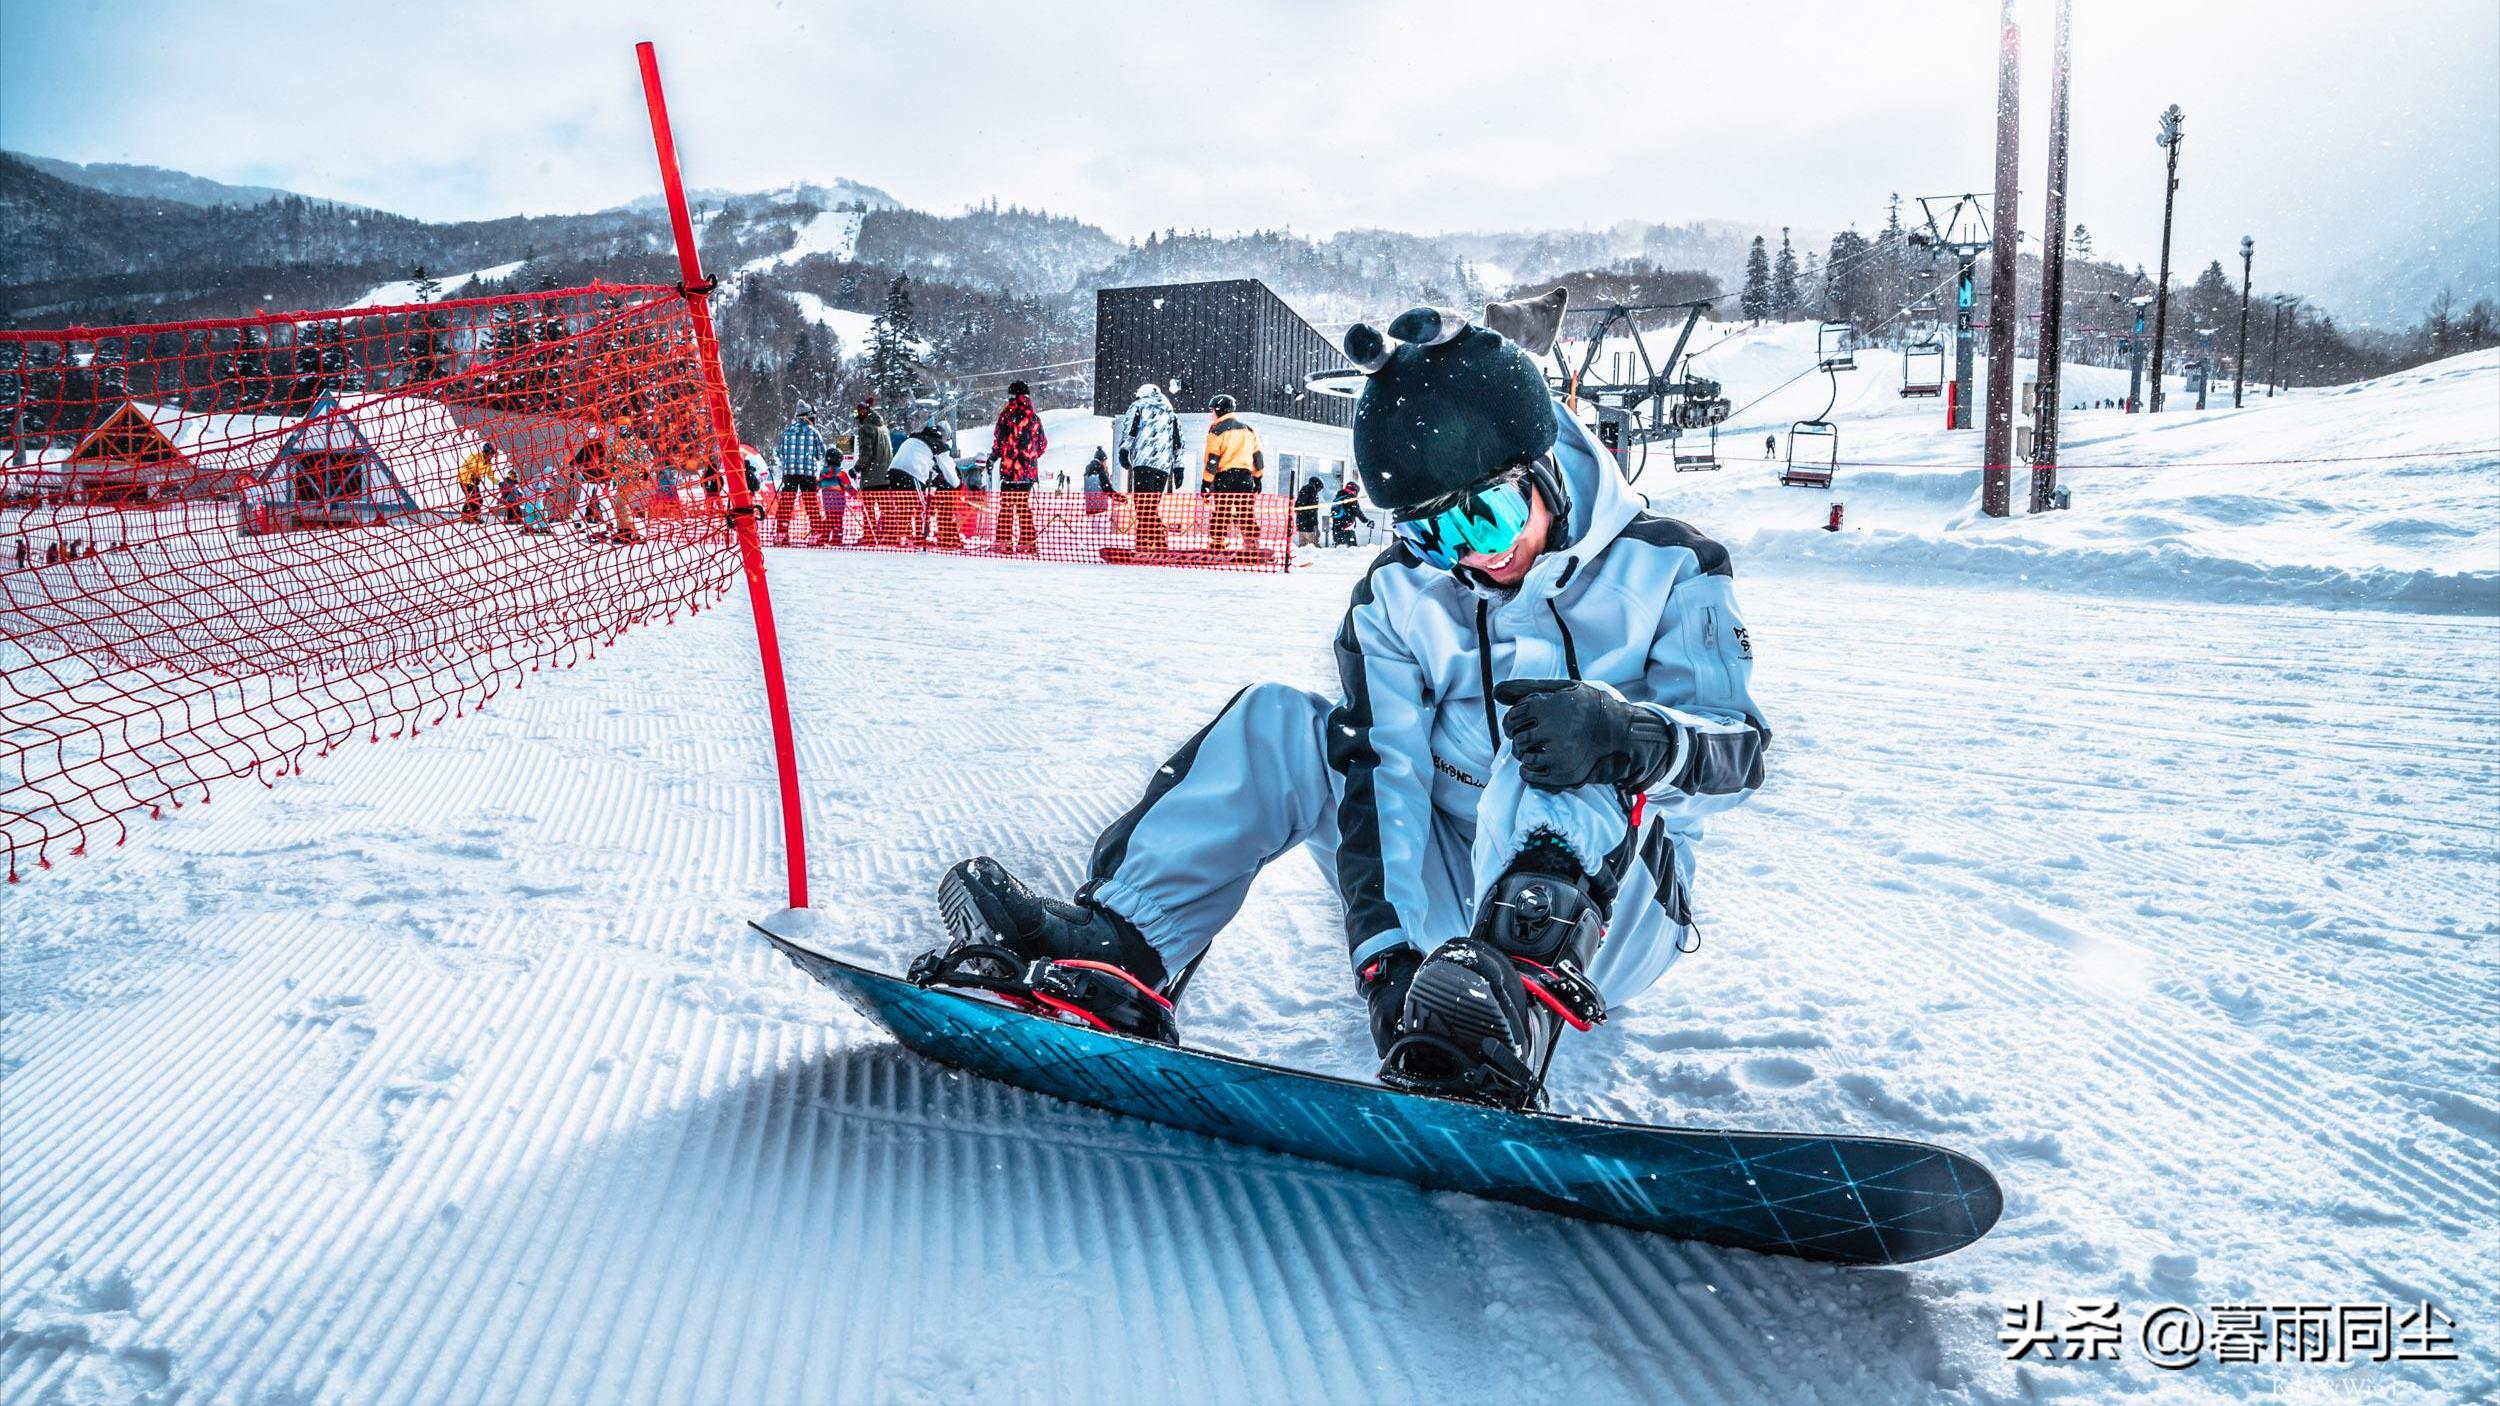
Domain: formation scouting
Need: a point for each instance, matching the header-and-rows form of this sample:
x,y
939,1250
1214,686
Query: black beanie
x,y
1018,388
1446,406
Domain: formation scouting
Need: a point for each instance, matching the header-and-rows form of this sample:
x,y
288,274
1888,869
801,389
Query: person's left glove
x,y
1568,734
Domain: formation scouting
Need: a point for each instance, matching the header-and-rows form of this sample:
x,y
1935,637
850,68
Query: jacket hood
x,y
1151,395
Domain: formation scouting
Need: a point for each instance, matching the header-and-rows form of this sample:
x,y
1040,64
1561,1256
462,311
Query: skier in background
x,y
1543,690
1234,470
1770,446
801,454
1147,447
1016,448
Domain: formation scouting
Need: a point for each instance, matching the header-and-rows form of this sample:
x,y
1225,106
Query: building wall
x,y
1229,336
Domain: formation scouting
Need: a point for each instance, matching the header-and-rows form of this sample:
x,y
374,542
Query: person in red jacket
x,y
1016,445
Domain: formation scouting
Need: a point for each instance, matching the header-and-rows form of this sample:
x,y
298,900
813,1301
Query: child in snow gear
x,y
1016,447
1234,469
835,490
1098,483
1345,514
1542,693
1147,447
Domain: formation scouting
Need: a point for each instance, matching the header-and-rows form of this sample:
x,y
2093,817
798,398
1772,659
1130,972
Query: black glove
x,y
1383,982
1568,734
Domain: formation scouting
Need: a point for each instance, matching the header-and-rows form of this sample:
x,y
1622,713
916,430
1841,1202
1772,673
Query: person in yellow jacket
x,y
476,472
1234,470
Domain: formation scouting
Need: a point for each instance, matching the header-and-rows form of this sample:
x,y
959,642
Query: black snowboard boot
x,y
1481,1013
1073,961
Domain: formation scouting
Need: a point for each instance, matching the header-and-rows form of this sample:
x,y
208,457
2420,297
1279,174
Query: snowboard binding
x,y
1482,1013
1096,995
1071,962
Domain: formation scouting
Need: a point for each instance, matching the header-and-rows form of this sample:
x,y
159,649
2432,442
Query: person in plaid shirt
x,y
802,455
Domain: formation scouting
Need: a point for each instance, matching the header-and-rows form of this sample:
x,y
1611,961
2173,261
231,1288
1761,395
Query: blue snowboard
x,y
1849,1200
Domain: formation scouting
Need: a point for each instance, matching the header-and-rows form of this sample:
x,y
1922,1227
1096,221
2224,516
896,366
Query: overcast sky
x,y
2321,128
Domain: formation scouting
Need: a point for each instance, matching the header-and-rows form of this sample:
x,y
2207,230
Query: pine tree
x,y
1848,283
427,287
1784,280
2083,241
891,339
1756,300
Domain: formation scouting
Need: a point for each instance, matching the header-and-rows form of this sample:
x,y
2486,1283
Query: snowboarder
x,y
1544,691
1235,466
1016,447
802,454
1149,452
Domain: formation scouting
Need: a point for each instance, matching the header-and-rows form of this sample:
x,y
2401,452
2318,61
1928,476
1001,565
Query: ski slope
x,y
449,1072
402,292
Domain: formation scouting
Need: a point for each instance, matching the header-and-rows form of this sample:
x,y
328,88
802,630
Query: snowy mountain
x,y
155,182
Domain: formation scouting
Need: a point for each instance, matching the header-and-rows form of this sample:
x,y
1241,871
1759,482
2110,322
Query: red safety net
x,y
1217,531
226,547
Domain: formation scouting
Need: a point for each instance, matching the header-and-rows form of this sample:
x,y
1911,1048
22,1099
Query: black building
x,y
1197,340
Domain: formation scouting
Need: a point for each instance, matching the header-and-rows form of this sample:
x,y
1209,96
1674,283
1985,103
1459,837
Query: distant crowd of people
x,y
909,489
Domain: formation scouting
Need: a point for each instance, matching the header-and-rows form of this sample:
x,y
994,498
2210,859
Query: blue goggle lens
x,y
1487,520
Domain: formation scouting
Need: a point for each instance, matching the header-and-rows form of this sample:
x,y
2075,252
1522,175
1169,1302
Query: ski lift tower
x,y
1661,401
1958,224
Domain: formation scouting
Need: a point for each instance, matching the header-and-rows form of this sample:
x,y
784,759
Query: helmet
x,y
1446,407
1221,405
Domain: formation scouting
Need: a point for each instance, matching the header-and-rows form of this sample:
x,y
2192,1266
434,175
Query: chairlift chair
x,y
1922,369
1696,460
1835,347
1819,440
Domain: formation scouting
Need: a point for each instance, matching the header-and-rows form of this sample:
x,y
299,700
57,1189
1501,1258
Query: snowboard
x,y
1841,1199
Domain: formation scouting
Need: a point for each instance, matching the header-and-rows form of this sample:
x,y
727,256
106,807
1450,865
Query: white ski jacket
x,y
1639,603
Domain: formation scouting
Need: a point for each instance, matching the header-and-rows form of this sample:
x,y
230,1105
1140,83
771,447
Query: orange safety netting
x,y
1218,531
228,546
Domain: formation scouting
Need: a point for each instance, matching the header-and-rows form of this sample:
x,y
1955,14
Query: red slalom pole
x,y
698,293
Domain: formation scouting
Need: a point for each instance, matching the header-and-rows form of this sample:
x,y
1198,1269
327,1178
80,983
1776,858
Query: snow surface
x,y
448,1070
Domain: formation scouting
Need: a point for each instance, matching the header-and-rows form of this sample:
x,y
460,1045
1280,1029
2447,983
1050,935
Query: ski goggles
x,y
1487,519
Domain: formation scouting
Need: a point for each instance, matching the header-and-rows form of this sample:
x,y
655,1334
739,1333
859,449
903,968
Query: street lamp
x,y
2135,352
2239,369
2167,137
